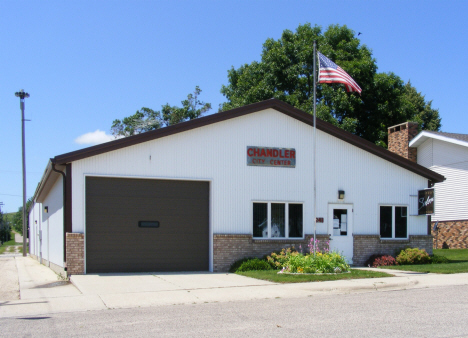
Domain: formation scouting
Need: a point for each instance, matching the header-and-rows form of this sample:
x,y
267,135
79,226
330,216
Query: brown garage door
x,y
174,237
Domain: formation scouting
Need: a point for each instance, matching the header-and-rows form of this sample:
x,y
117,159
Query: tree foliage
x,y
427,117
18,218
285,72
147,119
4,228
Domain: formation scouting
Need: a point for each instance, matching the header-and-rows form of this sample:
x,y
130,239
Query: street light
x,y
22,95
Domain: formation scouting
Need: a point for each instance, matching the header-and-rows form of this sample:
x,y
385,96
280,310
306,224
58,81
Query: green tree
x,y
147,119
18,218
285,72
427,117
4,228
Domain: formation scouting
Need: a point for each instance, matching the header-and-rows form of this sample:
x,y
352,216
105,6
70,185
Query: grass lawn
x,y
455,255
8,247
458,263
274,276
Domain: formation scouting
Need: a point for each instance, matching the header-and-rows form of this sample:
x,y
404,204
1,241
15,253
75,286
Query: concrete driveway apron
x,y
149,289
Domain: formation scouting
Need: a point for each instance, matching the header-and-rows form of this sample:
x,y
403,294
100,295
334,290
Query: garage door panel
x,y
137,215
160,267
174,253
148,243
163,229
134,188
122,200
166,225
115,242
155,208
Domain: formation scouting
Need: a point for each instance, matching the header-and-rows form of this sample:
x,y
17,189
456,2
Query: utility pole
x,y
22,95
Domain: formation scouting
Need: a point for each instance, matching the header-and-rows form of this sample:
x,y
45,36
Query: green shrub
x,y
253,265
236,264
435,259
413,256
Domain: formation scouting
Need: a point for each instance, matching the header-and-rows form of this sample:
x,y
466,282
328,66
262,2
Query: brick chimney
x,y
399,137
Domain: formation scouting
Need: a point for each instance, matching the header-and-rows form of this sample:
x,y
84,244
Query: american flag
x,y
329,72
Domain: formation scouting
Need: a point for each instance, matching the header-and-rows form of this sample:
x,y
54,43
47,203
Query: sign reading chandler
x,y
425,201
271,157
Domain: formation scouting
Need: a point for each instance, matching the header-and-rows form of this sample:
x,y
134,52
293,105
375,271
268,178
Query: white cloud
x,y
95,137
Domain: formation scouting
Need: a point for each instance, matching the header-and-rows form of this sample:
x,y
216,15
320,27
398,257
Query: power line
x,y
19,172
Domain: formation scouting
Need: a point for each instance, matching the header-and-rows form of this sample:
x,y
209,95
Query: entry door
x,y
340,229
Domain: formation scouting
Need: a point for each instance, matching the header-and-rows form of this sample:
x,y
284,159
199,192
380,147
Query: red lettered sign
x,y
271,157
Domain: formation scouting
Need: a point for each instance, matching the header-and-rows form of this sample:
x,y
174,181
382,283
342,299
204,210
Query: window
x,y
393,221
340,222
277,220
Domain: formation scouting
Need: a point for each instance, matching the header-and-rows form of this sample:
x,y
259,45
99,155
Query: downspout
x,y
64,210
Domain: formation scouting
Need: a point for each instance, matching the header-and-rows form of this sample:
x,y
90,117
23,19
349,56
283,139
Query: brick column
x,y
75,253
399,137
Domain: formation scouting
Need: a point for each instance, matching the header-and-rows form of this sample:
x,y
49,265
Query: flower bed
x,y
291,261
320,262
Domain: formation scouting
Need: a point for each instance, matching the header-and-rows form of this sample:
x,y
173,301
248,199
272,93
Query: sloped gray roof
x,y
461,137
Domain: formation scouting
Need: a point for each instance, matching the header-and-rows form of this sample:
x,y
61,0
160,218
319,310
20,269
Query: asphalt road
x,y
431,312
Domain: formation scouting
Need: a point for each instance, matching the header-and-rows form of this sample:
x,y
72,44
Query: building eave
x,y
424,136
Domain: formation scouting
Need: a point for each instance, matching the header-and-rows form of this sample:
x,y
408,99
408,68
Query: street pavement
x,y
31,289
430,312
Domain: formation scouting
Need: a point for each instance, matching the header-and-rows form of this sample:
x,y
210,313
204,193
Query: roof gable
x,y
237,112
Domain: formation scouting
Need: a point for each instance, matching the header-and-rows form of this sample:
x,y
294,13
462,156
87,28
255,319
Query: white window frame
x,y
286,221
393,221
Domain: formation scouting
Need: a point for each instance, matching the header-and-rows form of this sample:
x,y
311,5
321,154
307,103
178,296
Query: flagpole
x,y
315,150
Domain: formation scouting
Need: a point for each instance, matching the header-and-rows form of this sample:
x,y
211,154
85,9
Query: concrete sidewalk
x,y
42,292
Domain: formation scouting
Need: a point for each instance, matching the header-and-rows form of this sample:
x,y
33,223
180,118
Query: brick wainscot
x,y
367,245
229,248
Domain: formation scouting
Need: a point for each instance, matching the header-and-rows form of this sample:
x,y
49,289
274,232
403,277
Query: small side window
x,y
148,224
393,221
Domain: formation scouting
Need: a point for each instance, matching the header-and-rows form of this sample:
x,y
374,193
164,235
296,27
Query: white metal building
x,y
197,196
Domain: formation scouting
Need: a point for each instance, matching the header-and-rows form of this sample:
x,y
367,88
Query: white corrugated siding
x,y
450,160
218,153
34,228
425,152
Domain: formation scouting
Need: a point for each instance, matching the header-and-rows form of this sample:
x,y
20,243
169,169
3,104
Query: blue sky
x,y
86,63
